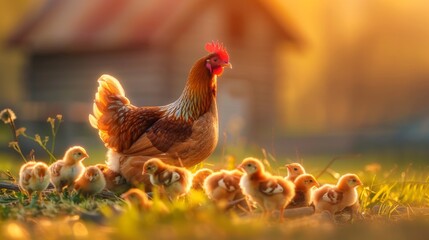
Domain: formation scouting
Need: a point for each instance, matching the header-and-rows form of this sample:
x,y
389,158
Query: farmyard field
x,y
200,119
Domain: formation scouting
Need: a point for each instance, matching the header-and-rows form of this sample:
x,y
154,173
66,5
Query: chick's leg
x,y
354,212
282,212
70,187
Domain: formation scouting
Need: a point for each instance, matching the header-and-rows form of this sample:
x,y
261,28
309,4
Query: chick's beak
x,y
359,182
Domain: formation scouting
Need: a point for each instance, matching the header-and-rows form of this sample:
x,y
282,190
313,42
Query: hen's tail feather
x,y
109,105
110,96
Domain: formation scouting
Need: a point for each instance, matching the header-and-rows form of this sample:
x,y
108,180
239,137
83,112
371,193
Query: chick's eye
x,y
249,165
295,169
79,153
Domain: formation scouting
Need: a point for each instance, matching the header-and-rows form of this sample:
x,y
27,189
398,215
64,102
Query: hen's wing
x,y
167,131
128,129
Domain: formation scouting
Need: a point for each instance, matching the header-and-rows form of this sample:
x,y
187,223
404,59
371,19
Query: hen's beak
x,y
227,64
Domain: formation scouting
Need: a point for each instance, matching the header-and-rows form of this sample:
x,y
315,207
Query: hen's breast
x,y
202,141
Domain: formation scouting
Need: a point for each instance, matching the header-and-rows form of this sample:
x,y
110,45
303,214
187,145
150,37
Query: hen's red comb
x,y
218,48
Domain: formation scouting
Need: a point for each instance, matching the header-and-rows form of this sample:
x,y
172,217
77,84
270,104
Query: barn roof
x,y
116,24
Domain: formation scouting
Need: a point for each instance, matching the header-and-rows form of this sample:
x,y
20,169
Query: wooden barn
x,y
150,46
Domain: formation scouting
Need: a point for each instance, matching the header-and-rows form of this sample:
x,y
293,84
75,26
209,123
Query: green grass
x,y
396,200
394,203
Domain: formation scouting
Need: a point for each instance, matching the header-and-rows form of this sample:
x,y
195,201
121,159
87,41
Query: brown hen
x,y
182,133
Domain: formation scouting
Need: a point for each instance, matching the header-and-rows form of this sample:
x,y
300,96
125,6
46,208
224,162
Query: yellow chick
x,y
65,172
293,171
115,182
334,198
138,198
269,192
223,186
174,181
91,181
304,185
34,177
199,177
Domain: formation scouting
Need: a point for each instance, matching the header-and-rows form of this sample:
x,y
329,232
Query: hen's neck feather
x,y
198,94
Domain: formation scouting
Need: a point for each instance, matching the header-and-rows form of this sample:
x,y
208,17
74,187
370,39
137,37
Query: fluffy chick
x,y
334,198
34,177
64,172
91,181
115,182
304,185
269,192
173,181
223,186
138,198
199,177
293,171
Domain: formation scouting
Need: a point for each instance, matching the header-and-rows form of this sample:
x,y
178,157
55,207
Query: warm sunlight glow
x,y
15,231
80,230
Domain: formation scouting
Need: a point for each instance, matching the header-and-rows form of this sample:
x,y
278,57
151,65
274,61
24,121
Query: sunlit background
x,y
310,79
